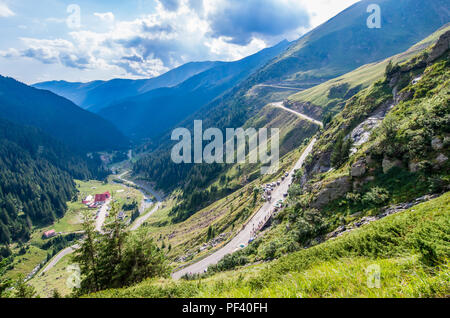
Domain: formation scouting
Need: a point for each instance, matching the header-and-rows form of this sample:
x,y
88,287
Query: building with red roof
x,y
102,198
50,234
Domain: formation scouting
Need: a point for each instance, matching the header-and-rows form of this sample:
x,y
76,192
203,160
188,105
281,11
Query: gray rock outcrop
x,y
332,191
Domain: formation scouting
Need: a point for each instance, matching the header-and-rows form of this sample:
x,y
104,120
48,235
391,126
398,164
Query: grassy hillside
x,y
345,42
401,245
331,95
364,211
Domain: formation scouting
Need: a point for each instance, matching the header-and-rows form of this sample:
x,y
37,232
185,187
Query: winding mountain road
x,y
58,257
280,87
102,216
243,237
280,105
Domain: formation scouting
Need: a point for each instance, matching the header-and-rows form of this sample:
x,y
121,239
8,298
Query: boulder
x,y
437,144
413,166
441,159
388,164
447,141
332,191
359,169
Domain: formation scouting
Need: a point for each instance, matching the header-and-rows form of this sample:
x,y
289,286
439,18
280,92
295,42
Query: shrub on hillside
x,y
377,196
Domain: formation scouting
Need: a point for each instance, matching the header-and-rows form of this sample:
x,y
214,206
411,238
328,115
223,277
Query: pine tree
x,y
111,249
22,289
87,257
56,294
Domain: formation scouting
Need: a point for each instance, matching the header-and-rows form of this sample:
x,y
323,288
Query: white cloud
x,y
5,11
322,10
175,33
107,17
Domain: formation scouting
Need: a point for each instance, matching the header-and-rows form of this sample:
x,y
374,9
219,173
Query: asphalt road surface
x,y
280,105
57,258
101,219
243,237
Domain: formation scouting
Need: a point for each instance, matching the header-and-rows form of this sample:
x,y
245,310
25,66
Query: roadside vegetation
x,y
116,257
411,248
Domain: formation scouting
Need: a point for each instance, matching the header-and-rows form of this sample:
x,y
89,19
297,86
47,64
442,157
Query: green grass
x,y
401,245
54,279
24,264
363,76
347,278
71,222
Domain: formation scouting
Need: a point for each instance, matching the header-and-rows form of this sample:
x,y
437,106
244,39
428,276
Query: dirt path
x,y
245,234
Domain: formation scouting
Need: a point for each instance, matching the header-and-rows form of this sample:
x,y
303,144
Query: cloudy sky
x,y
84,40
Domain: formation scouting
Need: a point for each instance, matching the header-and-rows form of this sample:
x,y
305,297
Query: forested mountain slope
x,y
325,100
58,117
36,179
238,107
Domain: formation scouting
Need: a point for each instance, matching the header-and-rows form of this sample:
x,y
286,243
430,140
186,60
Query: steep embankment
x,y
36,174
400,246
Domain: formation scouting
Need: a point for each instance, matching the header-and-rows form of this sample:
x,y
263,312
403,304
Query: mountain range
x,y
146,109
99,94
153,113
79,129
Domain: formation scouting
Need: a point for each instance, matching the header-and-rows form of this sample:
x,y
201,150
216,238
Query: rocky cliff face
x,y
440,47
331,191
359,131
